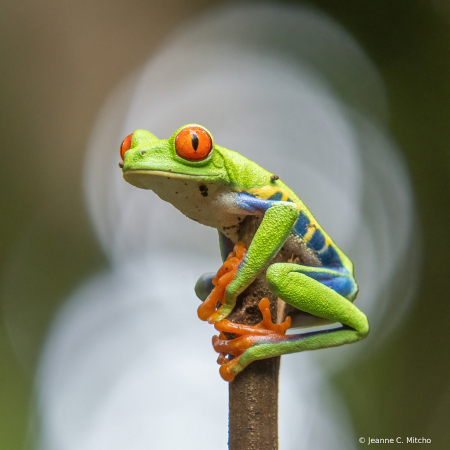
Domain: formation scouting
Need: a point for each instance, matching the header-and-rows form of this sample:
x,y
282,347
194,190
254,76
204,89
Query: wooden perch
x,y
253,395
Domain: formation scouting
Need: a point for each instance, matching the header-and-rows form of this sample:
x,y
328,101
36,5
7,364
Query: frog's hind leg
x,y
299,286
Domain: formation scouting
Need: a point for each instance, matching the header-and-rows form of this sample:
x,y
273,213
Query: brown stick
x,y
253,394
253,398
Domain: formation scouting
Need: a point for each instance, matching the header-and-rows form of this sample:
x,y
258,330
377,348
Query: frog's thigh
x,y
290,283
307,294
304,293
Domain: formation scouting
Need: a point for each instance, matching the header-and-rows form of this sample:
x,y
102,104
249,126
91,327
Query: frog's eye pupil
x,y
193,143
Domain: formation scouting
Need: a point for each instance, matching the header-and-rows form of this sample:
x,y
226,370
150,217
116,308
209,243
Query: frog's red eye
x,y
125,146
193,143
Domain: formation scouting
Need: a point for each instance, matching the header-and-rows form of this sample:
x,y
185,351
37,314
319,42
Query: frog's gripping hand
x,y
207,310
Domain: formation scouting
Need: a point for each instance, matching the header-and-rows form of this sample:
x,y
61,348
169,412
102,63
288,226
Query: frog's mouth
x,y
143,178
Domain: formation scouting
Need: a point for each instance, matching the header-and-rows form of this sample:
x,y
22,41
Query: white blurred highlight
x,y
128,364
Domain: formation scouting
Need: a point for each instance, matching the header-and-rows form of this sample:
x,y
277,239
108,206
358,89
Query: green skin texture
x,y
154,164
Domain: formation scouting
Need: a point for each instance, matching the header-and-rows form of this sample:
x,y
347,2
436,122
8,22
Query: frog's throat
x,y
141,178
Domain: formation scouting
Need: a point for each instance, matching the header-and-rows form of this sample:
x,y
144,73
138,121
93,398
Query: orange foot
x,y
223,278
249,335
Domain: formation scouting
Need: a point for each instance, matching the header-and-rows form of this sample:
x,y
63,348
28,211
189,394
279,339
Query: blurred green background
x,y
59,62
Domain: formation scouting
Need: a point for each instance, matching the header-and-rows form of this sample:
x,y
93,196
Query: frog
x,y
304,268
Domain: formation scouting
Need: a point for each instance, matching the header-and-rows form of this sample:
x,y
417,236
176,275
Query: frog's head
x,y
187,154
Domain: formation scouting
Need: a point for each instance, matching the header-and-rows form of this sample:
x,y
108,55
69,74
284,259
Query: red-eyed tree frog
x,y
304,268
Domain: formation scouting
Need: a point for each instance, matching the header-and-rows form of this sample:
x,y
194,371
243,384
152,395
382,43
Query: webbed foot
x,y
249,335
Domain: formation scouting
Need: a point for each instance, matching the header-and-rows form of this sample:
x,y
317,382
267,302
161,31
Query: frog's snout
x,y
121,164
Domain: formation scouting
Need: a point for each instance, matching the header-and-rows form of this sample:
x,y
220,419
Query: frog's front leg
x,y
220,282
299,286
279,218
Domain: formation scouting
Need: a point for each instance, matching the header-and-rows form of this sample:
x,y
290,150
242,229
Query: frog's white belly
x,y
205,202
